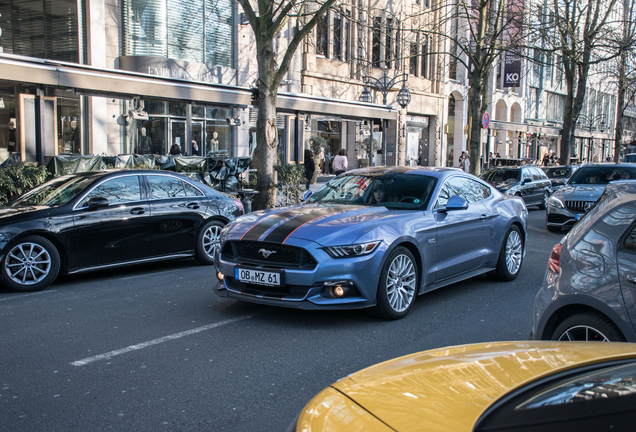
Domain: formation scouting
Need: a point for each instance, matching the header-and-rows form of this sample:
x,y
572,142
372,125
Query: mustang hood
x,y
324,224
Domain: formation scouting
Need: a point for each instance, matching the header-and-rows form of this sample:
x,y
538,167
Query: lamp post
x,y
384,85
590,123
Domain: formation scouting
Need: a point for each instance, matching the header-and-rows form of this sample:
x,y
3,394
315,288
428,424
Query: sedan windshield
x,y
54,193
557,172
601,174
400,191
502,175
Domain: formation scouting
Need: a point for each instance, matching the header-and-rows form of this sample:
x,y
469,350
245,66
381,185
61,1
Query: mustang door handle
x,y
193,206
137,211
632,279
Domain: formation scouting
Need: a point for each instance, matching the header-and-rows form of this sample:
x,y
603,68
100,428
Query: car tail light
x,y
554,263
239,205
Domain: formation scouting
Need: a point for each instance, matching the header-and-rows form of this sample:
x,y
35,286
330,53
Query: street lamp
x,y
589,123
385,85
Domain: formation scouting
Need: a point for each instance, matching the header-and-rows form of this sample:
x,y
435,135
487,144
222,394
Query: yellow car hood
x,y
448,389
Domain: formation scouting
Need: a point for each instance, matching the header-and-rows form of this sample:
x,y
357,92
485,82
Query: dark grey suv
x,y
589,289
527,182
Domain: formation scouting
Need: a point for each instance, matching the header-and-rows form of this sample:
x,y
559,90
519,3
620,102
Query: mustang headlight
x,y
350,251
555,202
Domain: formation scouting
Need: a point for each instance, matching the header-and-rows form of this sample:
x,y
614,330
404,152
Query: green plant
x,y
19,178
291,180
316,143
367,147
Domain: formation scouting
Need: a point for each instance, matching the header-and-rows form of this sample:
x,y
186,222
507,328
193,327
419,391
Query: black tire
x,y
398,286
544,203
208,242
553,228
587,326
31,264
510,256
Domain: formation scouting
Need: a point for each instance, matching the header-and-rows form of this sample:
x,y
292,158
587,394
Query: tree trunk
x,y
476,108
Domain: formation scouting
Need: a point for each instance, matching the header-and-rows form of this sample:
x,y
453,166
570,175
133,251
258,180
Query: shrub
x,y
19,178
317,142
291,181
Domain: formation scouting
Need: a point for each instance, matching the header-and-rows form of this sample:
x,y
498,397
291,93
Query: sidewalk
x,y
322,179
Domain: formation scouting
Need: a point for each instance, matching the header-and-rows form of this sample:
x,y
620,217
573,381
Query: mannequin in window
x,y
145,144
12,147
214,143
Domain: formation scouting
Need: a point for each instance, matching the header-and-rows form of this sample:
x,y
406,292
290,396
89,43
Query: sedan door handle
x,y
137,211
631,279
193,206
484,216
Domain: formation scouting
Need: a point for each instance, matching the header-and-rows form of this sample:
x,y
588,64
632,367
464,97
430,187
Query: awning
x,y
89,81
293,102
524,127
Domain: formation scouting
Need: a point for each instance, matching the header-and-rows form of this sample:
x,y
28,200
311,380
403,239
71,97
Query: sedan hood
x,y
448,389
582,192
324,224
11,214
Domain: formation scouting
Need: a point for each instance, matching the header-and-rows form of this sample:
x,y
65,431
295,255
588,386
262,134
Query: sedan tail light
x,y
239,204
554,263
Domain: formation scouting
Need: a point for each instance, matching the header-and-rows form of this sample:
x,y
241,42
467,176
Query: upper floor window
x,y
322,41
192,30
377,35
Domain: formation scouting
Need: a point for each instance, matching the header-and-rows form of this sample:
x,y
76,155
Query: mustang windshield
x,y
399,191
53,193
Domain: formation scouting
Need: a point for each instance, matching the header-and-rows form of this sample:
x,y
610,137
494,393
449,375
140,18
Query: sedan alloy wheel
x,y
31,264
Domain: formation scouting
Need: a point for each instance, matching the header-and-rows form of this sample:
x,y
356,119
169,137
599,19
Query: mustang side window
x,y
117,190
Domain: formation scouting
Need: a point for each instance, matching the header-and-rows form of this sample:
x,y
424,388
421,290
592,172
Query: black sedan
x,y
97,220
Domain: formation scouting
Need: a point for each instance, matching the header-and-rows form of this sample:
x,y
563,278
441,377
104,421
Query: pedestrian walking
x,y
340,163
466,163
310,166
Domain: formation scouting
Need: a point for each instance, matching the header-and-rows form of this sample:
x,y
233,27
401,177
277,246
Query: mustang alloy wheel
x,y
511,255
398,285
32,264
208,242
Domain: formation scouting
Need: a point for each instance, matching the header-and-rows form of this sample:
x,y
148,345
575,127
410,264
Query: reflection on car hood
x,y
447,389
324,224
582,192
10,214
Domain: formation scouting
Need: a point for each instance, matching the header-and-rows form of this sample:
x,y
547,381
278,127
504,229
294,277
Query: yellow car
x,y
499,386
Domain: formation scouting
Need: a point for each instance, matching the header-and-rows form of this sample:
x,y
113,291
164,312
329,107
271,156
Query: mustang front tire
x,y
511,256
31,264
208,242
398,285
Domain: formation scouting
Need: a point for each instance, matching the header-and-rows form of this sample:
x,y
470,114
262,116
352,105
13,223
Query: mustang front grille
x,y
270,254
579,206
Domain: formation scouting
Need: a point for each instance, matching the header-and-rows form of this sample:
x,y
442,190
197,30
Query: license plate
x,y
577,216
259,277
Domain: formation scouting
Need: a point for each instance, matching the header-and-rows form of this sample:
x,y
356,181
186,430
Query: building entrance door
x,y
178,135
196,134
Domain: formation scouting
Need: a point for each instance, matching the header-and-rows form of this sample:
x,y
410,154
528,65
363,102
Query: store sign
x,y
179,69
423,121
512,70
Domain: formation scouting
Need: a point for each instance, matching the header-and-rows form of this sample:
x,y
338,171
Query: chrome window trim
x,y
202,196
100,182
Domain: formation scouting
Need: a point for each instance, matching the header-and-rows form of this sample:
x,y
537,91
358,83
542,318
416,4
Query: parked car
x,y
527,182
373,238
589,289
97,220
498,386
559,175
630,157
567,205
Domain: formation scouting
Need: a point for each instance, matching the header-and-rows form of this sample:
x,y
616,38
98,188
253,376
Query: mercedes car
x,y
102,219
373,238
528,182
570,203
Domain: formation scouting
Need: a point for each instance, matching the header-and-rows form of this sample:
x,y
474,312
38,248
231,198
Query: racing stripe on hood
x,y
280,233
259,228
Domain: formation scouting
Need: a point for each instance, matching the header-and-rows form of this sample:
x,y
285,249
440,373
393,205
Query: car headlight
x,y
350,251
555,202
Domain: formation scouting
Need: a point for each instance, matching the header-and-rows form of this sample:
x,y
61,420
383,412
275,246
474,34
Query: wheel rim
x,y
211,240
583,333
400,283
28,264
513,252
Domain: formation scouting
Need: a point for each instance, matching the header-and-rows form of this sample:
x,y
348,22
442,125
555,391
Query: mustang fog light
x,y
338,289
219,275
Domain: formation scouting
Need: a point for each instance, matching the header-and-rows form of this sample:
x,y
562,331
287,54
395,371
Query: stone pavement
x,y
322,179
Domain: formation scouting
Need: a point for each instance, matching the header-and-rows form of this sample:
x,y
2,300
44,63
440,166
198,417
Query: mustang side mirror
x,y
97,202
455,203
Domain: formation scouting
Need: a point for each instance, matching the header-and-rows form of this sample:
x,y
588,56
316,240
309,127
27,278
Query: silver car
x,y
589,289
570,203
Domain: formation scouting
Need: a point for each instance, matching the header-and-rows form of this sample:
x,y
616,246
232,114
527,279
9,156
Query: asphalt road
x,y
154,349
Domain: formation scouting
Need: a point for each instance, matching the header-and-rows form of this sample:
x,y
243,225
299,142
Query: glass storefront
x,y
450,136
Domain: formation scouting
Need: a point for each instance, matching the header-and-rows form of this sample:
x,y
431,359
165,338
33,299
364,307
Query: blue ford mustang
x,y
373,238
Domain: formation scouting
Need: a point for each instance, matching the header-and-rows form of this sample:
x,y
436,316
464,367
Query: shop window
x,y
198,111
155,107
177,109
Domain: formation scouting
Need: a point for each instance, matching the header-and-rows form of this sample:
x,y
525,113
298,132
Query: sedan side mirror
x,y
97,202
307,195
455,203
526,180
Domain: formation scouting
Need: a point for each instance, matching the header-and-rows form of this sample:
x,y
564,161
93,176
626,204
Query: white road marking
x,y
13,297
143,345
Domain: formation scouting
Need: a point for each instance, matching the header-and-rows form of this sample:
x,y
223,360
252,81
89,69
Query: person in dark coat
x,y
175,150
310,166
195,149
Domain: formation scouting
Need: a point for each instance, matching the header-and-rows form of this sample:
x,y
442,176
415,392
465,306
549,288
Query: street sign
x,y
486,121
